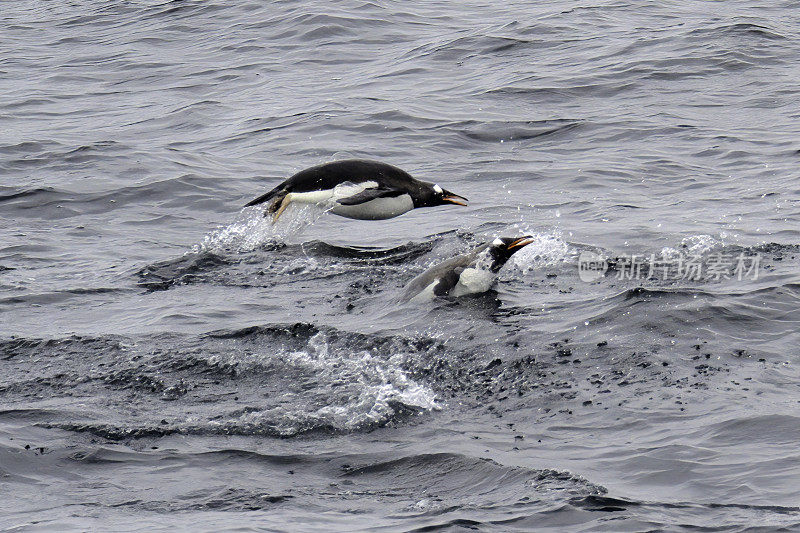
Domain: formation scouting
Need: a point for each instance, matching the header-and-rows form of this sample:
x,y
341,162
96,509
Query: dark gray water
x,y
169,361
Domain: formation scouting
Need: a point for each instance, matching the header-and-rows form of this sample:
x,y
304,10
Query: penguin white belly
x,y
377,209
324,196
313,197
425,294
473,281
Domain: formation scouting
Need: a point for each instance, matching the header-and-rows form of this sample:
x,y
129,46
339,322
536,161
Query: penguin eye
x,y
437,189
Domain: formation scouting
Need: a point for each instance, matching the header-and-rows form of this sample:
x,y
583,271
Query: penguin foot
x,y
281,207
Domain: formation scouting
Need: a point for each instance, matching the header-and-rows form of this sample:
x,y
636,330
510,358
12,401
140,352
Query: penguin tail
x,y
277,191
278,201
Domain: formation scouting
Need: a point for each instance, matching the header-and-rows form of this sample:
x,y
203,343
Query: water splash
x,y
693,245
546,250
251,229
352,390
699,244
363,387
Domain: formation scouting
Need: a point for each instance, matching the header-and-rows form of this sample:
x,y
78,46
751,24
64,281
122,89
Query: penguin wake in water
x,y
360,189
470,273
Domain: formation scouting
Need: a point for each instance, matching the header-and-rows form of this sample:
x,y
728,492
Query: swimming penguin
x,y
470,273
360,189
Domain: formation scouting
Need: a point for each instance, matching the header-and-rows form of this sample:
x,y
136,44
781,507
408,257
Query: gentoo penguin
x,y
365,190
470,273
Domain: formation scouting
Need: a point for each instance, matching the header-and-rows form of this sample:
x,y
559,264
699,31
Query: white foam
x,y
374,382
360,387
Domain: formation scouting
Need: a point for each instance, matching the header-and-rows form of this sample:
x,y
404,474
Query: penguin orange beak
x,y
454,199
519,243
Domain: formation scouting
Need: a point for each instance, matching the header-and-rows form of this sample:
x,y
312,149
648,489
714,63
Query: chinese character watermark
x,y
691,267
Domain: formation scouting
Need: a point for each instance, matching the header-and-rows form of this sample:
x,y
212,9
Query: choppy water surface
x,y
171,361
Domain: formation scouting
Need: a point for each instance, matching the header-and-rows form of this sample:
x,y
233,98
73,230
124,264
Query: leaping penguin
x,y
470,273
356,188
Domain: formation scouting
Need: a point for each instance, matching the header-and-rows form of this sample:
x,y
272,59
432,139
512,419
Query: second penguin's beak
x,y
454,199
519,243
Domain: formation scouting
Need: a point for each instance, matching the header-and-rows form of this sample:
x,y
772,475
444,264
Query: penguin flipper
x,y
371,194
448,281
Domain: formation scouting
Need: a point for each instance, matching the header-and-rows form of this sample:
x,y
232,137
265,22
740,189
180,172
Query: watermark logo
x,y
691,267
591,266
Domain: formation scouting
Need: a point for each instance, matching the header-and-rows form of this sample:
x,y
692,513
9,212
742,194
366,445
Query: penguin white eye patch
x,y
438,189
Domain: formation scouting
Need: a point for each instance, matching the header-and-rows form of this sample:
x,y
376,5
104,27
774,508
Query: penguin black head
x,y
431,195
502,248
